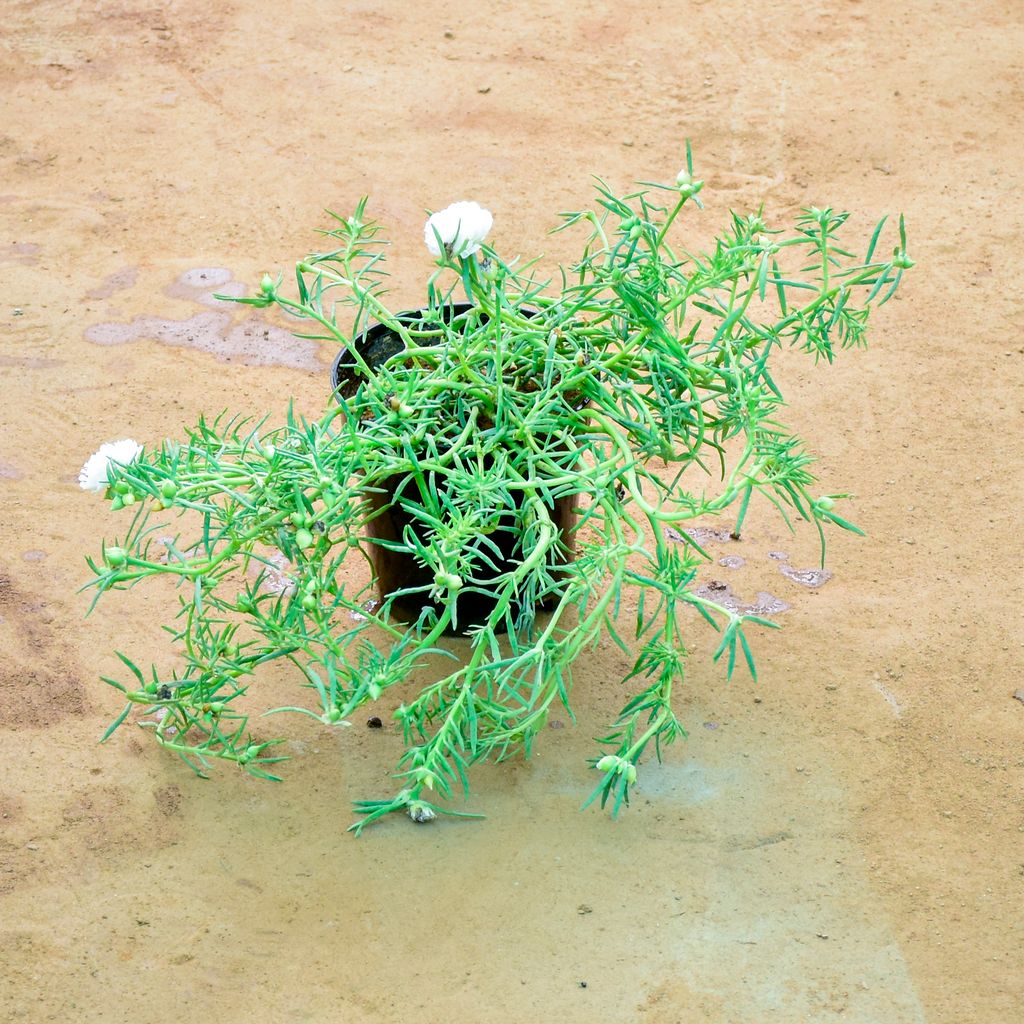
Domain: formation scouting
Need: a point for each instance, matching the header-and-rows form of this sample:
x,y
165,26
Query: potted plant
x,y
513,460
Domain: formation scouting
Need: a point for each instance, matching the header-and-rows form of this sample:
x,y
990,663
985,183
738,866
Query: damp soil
x,y
840,841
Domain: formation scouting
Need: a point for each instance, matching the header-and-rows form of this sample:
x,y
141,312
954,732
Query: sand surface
x,y
843,841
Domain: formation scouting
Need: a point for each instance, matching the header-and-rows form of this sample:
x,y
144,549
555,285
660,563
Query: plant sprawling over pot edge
x,y
515,461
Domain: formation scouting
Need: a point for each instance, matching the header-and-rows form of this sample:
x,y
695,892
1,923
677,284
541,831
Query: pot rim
x,y
377,327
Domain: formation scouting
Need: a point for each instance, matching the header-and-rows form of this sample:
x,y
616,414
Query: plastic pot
x,y
397,570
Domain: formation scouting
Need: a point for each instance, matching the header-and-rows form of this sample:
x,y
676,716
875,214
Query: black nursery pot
x,y
399,570
377,344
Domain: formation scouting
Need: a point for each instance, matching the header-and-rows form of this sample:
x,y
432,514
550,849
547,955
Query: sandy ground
x,y
841,842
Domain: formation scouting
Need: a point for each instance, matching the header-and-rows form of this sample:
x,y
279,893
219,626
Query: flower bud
x,y
267,285
309,602
607,763
303,539
115,557
688,185
168,489
448,580
421,813
826,504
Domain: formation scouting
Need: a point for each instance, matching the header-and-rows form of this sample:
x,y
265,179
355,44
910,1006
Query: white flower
x,y
461,228
93,476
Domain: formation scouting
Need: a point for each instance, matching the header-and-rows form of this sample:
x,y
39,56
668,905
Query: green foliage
x,y
640,382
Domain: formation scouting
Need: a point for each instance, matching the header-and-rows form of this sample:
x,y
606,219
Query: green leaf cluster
x,y
635,388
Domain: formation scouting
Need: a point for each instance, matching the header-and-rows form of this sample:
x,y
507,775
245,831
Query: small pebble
x,y
374,723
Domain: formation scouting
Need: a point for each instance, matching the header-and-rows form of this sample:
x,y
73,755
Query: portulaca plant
x,y
516,462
